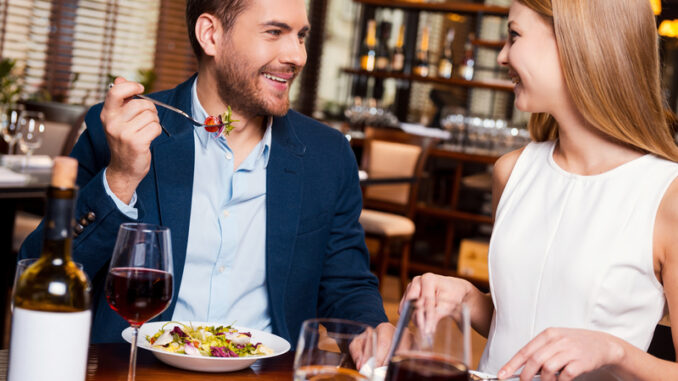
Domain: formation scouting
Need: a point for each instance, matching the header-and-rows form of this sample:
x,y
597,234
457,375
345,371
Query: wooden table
x,y
10,196
108,362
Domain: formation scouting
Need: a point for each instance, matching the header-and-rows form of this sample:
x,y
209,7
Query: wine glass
x,y
10,128
139,282
436,345
325,346
31,129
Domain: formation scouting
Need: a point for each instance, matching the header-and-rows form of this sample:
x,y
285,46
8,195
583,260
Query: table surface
x,y
35,187
108,362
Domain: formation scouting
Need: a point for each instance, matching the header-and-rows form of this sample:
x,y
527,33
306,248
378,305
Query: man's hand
x,y
563,354
130,125
361,350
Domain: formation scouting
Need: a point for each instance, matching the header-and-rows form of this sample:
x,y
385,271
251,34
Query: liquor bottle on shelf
x,y
383,54
446,63
467,66
421,62
52,303
398,60
368,54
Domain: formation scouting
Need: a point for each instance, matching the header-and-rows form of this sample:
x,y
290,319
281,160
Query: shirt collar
x,y
199,114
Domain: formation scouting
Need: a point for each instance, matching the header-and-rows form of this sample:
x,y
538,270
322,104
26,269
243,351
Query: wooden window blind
x,y
70,48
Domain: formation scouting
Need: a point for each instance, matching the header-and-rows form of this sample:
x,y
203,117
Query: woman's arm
x,y
448,291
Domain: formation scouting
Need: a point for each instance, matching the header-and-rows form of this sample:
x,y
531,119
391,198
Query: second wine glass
x,y
139,285
436,345
10,127
31,129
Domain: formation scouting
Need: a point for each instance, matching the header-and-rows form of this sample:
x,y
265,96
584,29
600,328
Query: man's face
x,y
261,55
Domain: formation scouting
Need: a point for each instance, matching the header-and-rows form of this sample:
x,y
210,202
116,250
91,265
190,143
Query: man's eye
x,y
302,36
274,32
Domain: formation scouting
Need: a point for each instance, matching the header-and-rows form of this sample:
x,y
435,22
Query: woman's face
x,y
531,55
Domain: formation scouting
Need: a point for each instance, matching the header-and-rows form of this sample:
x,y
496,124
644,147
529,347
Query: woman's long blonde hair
x,y
610,60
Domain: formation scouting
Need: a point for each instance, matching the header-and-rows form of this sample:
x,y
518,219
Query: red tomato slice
x,y
212,120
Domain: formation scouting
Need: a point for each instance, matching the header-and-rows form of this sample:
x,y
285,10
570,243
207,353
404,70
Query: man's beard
x,y
239,88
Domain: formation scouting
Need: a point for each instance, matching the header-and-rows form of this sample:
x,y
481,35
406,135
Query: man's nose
x,y
294,53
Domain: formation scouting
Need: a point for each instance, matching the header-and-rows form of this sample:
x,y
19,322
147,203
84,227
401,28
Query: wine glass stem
x,y
133,355
10,148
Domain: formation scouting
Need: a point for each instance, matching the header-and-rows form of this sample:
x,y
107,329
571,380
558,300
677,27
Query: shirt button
x,y
225,213
229,156
221,269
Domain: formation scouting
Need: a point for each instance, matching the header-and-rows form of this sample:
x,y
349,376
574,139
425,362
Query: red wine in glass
x,y
405,368
138,294
139,282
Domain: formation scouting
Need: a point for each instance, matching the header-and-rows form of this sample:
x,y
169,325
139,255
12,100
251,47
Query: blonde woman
x,y
584,252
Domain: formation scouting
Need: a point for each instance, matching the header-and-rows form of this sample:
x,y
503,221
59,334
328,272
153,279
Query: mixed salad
x,y
206,341
221,124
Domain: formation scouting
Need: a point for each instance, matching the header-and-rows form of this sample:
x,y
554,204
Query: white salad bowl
x,y
202,363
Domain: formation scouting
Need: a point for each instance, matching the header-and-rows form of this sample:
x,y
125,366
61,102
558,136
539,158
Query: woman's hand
x,y
442,295
437,291
563,354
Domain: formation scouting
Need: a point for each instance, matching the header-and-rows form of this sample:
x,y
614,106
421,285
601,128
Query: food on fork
x,y
221,124
207,341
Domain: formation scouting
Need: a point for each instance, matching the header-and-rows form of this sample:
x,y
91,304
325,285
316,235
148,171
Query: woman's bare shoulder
x,y
504,166
501,173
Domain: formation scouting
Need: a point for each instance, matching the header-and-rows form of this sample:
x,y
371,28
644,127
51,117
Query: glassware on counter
x,y
483,136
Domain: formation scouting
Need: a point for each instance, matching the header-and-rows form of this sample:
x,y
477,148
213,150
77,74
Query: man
x,y
264,222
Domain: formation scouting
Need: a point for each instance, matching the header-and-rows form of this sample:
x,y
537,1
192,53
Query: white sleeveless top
x,y
574,251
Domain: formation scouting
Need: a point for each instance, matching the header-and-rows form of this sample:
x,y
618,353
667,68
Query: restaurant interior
x,y
414,86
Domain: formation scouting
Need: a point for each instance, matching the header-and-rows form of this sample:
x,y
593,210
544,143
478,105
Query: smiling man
x,y
264,221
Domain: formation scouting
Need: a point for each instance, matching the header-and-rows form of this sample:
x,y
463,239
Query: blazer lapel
x,y
173,161
284,176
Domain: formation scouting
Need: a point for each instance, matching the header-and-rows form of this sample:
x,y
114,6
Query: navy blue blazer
x,y
316,260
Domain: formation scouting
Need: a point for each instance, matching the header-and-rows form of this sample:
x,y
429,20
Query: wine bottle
x,y
467,66
52,315
383,54
446,62
398,60
421,63
369,53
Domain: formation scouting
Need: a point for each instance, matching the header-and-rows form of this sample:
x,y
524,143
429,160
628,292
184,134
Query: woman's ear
x,y
208,33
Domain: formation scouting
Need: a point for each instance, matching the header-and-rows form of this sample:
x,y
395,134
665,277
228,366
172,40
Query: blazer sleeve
x,y
94,245
348,289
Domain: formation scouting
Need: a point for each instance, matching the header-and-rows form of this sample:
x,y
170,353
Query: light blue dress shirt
x,y
224,278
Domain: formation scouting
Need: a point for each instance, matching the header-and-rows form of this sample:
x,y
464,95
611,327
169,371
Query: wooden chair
x,y
389,209
63,123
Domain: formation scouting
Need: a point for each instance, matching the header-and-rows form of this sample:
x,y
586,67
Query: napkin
x,y
9,177
34,162
378,373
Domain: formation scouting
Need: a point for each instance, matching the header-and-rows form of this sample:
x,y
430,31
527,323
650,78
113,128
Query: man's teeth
x,y
274,78
515,80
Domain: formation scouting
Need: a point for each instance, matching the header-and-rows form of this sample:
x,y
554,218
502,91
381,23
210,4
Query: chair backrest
x,y
62,126
390,152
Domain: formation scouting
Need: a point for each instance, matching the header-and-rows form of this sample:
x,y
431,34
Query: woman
x,y
584,251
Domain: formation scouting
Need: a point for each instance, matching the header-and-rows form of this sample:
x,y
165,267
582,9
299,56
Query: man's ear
x,y
208,32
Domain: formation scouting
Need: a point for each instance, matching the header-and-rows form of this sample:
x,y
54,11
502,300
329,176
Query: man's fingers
x,y
385,332
123,89
355,349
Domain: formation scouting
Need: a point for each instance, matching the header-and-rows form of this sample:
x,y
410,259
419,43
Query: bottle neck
x,y
58,224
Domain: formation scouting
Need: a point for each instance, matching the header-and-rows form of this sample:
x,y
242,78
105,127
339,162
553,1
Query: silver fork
x,y
180,112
